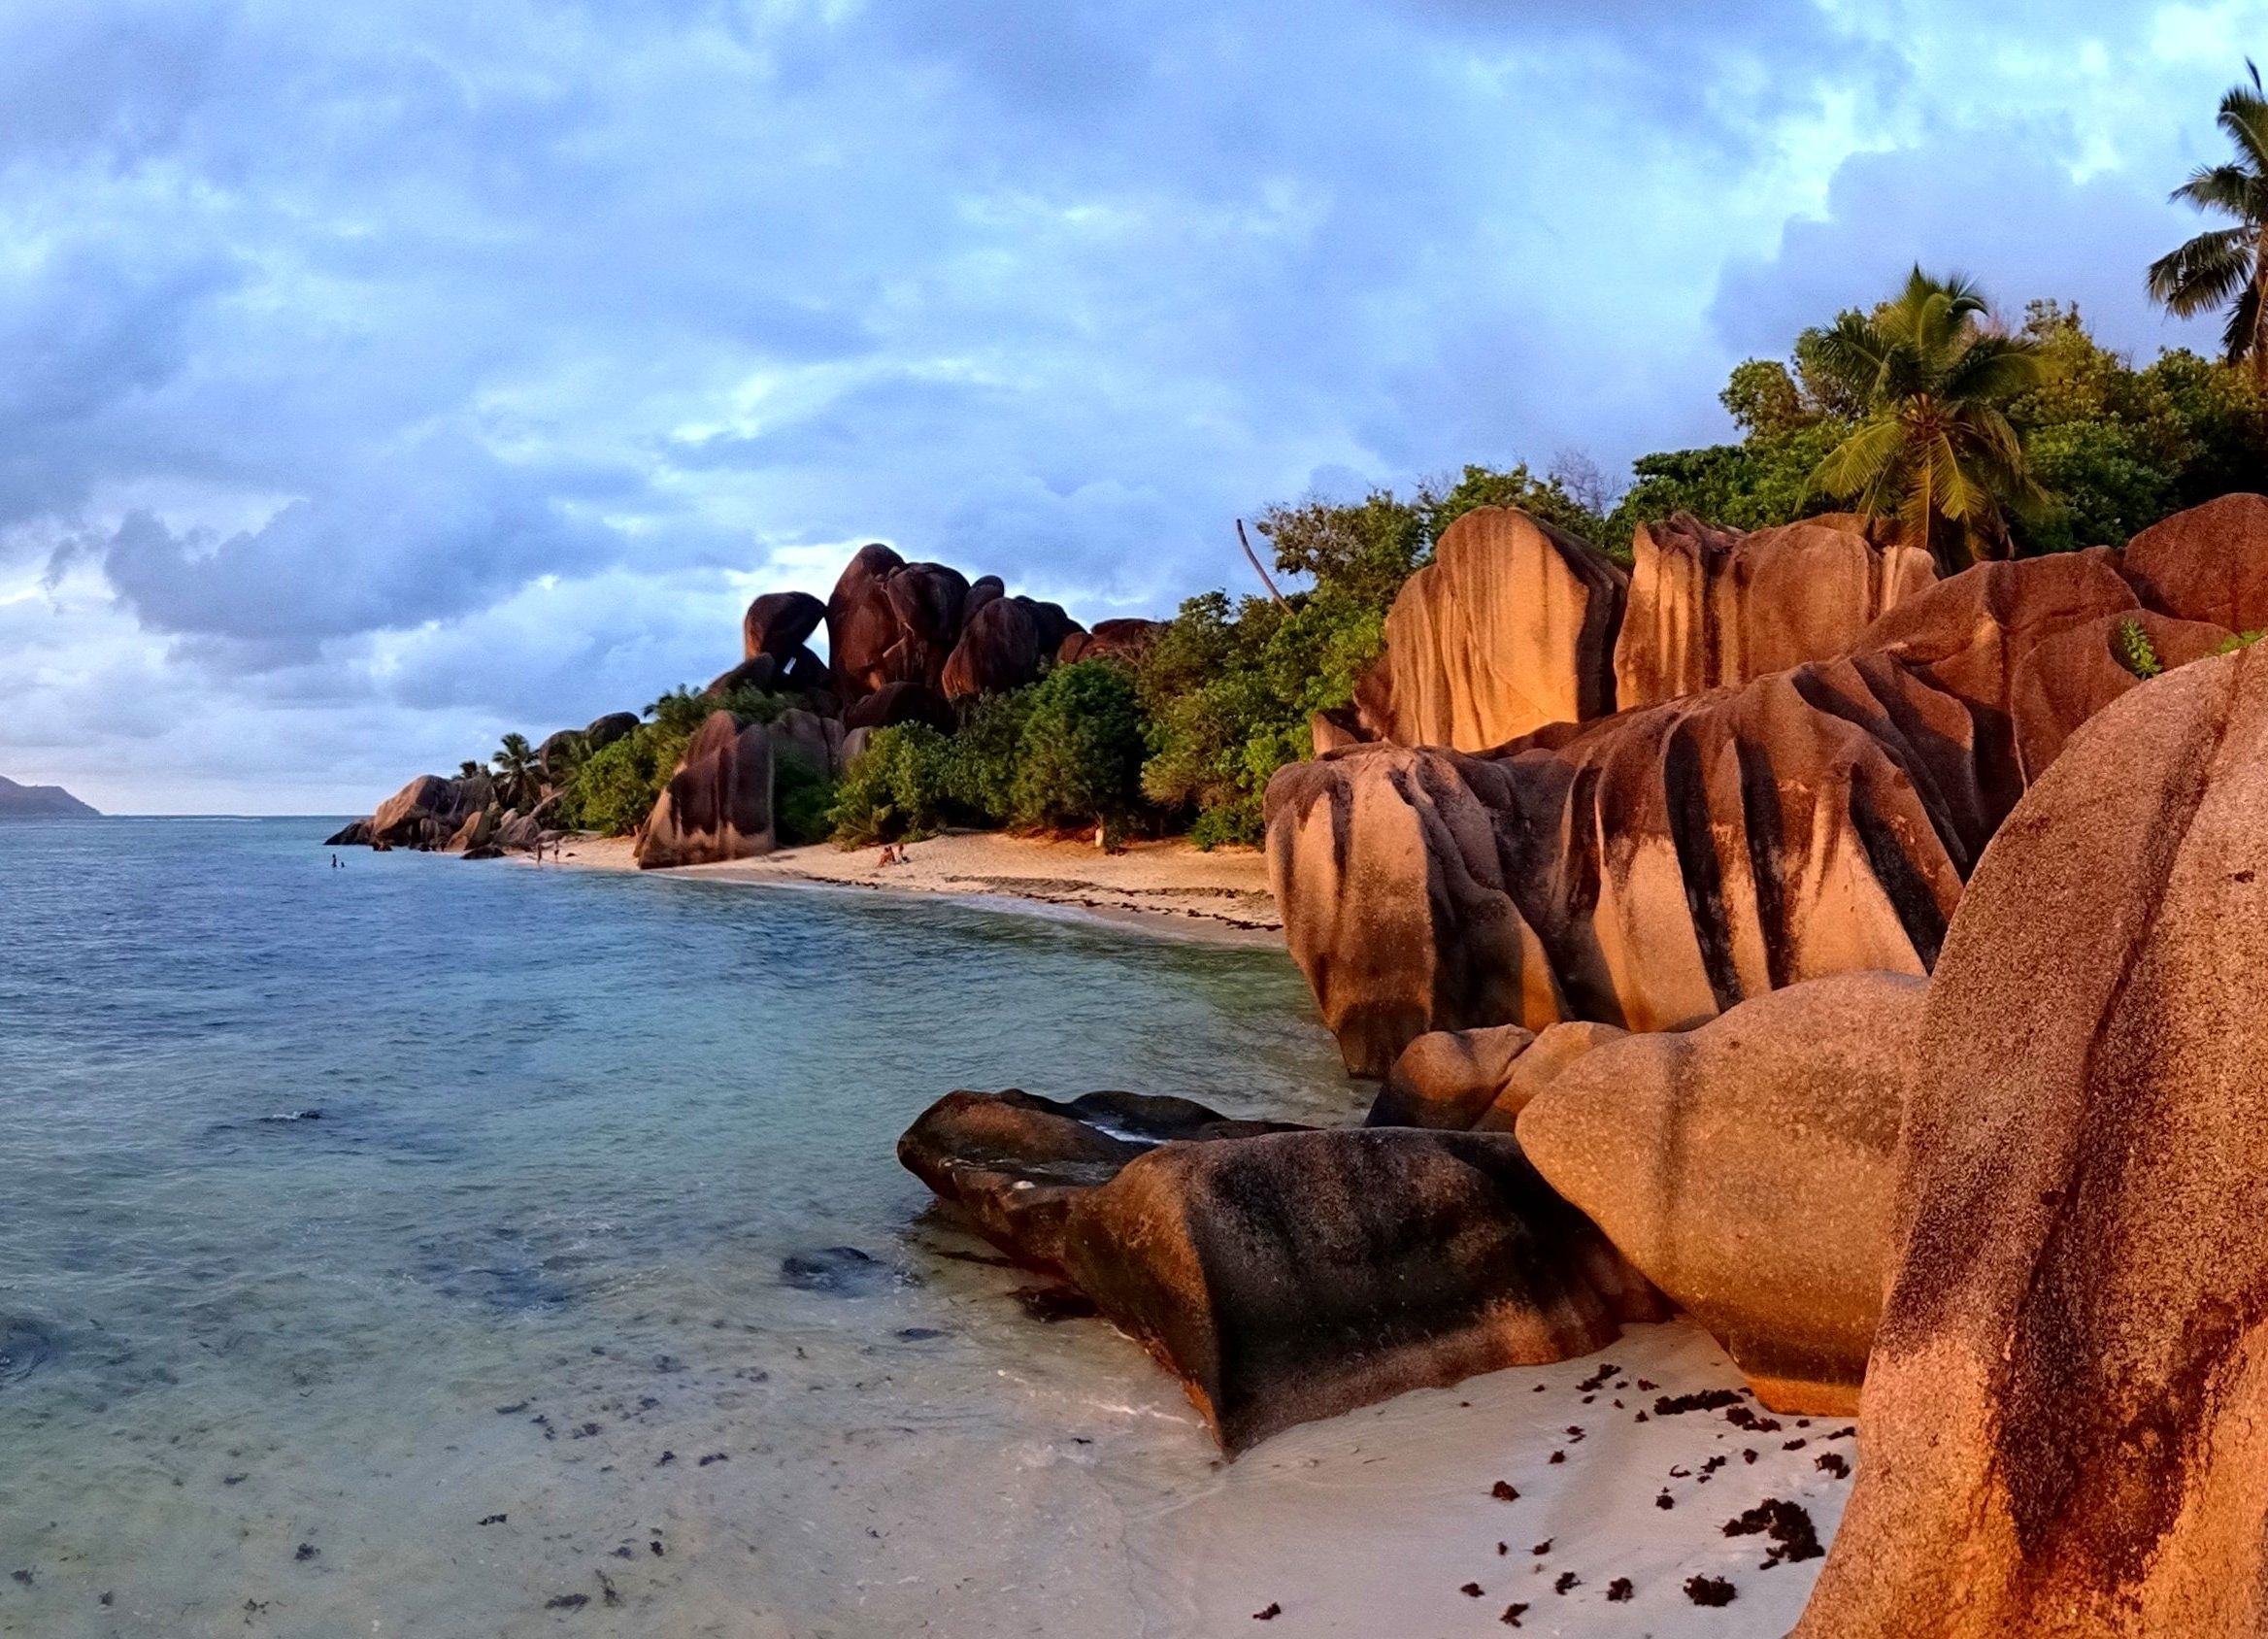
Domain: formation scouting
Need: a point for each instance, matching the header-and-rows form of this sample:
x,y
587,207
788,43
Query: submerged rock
x,y
2065,1407
1747,1168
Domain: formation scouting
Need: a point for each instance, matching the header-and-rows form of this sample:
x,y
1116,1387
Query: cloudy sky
x,y
377,378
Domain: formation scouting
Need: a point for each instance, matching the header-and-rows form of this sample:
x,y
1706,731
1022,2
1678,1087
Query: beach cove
x,y
367,1205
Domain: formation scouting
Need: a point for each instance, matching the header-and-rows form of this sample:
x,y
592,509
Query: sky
x,y
376,378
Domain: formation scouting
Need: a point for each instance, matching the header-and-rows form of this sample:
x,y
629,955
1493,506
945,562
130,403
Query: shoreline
x,y
1166,889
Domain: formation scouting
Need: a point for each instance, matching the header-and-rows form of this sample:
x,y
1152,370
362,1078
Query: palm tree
x,y
1934,450
469,769
519,775
2228,266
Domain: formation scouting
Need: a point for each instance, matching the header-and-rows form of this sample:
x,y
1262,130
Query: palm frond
x,y
1993,367
2203,273
2230,190
1859,462
2244,116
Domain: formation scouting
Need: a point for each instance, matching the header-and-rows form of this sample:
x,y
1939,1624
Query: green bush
x,y
980,776
614,788
894,790
803,799
1080,759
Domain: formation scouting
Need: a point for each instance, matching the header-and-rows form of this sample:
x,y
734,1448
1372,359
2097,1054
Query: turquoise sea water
x,y
398,1249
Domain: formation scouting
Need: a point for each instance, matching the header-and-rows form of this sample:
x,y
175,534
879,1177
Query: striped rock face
x,y
2066,1413
1654,868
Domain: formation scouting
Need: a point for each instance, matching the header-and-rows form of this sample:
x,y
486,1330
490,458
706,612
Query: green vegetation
x,y
518,777
2136,652
1934,448
2228,267
1078,762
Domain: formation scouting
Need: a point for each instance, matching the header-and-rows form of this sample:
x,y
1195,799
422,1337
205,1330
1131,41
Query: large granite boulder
x,y
602,733
1300,1275
1654,868
757,670
2066,1411
816,740
894,703
1448,1079
1000,650
475,835
1710,607
2209,563
2068,677
430,809
779,624
355,833
1647,871
1747,1167
1554,1049
1127,640
1512,626
1385,865
718,805
1968,636
1013,1161
1281,1273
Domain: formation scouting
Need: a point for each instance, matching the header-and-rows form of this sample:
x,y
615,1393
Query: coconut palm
x,y
519,773
1934,450
2228,267
469,769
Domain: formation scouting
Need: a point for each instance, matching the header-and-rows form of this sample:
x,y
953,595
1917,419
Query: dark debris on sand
x,y
1268,1613
1620,1590
1708,1590
1503,1491
1512,1614
1786,1523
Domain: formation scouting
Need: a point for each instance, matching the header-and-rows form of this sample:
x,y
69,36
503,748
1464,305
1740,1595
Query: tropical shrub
x,y
1079,760
894,790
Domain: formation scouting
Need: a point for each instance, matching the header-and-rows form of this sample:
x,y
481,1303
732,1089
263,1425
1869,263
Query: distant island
x,y
41,802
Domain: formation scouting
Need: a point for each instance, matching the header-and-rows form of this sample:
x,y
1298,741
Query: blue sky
x,y
374,379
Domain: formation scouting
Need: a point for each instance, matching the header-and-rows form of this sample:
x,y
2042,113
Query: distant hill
x,y
40,802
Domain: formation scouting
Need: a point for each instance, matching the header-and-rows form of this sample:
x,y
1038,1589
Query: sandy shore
x,y
1157,883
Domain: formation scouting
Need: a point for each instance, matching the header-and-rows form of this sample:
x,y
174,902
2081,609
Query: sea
x,y
423,1247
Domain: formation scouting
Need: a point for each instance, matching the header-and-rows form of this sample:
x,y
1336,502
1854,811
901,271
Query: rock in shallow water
x,y
1283,1274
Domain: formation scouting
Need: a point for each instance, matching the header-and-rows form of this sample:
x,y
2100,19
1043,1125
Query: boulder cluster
x,y
1460,859
1894,1012
906,643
